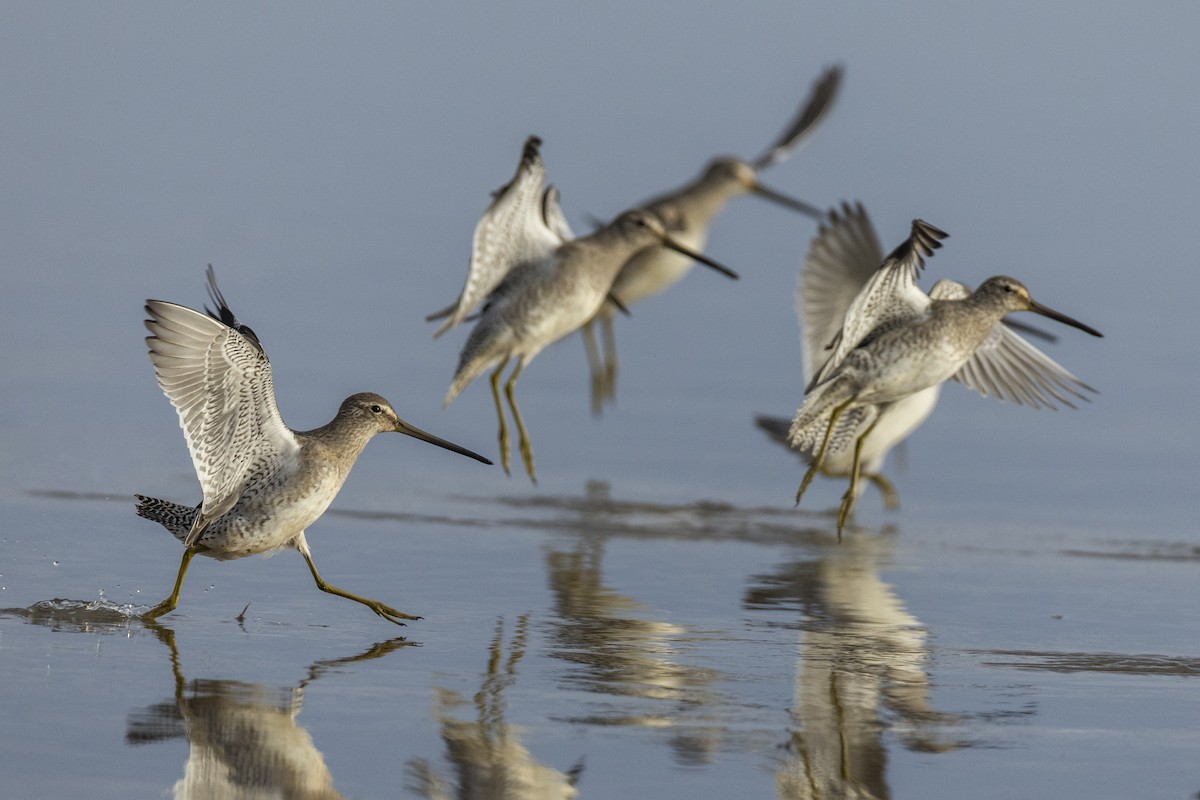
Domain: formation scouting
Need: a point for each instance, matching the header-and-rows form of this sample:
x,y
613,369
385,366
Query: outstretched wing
x,y
842,257
523,224
814,111
889,299
1010,368
216,374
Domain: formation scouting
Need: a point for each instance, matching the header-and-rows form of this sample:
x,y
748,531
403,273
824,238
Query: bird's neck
x,y
615,250
703,198
340,439
974,316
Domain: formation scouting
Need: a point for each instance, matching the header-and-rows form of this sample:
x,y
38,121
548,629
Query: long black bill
x,y
417,433
1057,316
683,249
787,201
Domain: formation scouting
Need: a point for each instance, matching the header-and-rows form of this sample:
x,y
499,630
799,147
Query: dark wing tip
x,y
820,100
532,146
926,237
530,153
830,81
847,211
224,314
921,243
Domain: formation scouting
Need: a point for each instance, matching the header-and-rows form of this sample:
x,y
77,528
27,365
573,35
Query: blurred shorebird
x,y
687,213
896,341
523,223
263,483
549,284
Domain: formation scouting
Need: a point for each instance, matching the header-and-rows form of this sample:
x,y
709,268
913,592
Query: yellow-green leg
x,y
610,358
525,444
595,366
819,460
851,496
385,611
891,498
504,442
168,605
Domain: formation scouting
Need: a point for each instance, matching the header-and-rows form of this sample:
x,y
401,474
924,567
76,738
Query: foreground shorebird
x,y
550,285
840,261
896,341
263,483
687,213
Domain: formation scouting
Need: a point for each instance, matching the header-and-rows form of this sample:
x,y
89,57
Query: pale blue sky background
x,y
332,160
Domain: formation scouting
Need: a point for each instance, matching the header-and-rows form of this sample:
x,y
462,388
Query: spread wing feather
x,y
218,378
523,224
842,257
1009,367
889,299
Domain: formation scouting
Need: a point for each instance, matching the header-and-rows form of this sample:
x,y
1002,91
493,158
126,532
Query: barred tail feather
x,y
852,424
811,422
172,516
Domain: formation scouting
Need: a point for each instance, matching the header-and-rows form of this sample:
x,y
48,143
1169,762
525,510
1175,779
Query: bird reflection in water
x,y
488,758
621,656
243,738
861,673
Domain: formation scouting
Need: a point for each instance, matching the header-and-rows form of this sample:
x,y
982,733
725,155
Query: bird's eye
x,y
1008,288
376,409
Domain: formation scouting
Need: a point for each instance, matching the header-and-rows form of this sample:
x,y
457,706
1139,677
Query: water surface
x,y
654,618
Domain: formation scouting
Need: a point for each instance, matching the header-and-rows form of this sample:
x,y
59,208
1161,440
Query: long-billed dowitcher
x,y
897,341
687,213
840,260
263,483
548,293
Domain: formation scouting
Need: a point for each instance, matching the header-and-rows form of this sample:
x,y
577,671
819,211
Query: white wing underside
x,y
841,259
523,225
1008,367
220,383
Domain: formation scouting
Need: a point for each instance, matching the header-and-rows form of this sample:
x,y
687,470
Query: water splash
x,y
62,613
